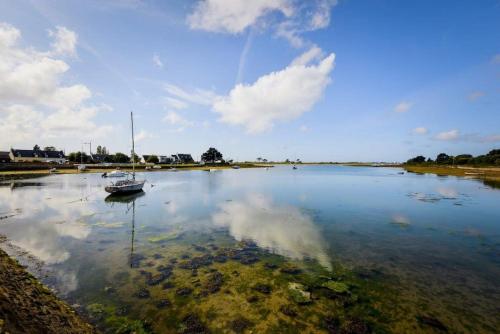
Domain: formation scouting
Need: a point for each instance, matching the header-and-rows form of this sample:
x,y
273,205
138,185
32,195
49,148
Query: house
x,y
181,158
36,155
4,156
165,159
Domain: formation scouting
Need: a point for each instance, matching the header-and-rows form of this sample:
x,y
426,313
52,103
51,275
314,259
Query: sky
x,y
318,80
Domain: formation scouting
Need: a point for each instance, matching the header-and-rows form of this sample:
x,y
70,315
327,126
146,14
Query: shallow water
x,y
224,250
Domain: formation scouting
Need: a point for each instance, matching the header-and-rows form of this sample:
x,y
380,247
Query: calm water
x,y
222,250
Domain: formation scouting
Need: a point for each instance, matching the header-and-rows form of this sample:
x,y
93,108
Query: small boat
x,y
52,170
235,167
173,169
130,185
294,167
156,167
115,173
81,167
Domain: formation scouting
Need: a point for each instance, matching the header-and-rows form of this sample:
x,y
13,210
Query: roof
x,y
37,153
4,155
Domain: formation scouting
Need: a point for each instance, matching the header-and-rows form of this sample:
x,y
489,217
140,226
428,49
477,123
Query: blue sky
x,y
317,80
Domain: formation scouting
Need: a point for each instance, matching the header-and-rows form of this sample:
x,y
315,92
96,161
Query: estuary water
x,y
318,249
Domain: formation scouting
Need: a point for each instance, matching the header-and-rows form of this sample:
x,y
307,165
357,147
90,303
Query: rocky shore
x,y
27,306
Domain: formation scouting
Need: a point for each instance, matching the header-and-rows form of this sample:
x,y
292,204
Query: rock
x,y
221,258
337,287
252,299
262,288
109,290
162,303
239,325
199,248
191,324
270,266
142,293
292,270
354,326
135,260
183,291
157,256
197,262
298,293
331,324
214,282
122,310
167,285
156,279
432,322
288,311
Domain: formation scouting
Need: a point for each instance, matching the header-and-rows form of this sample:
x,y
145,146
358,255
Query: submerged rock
x,y
221,258
162,303
157,256
432,322
239,325
183,291
197,262
214,283
156,279
298,293
262,288
288,311
142,293
122,310
354,326
292,270
135,260
167,285
191,324
331,324
253,299
270,266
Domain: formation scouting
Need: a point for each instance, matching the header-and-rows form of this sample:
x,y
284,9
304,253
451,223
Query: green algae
x,y
338,287
298,293
165,237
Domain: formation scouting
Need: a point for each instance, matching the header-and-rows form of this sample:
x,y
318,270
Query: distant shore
x,y
27,172
489,175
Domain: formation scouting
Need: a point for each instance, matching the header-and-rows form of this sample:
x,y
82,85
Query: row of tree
x,y
492,158
116,158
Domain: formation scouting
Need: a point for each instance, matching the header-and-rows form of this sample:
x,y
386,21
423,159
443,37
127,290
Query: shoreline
x,y
8,175
489,175
27,306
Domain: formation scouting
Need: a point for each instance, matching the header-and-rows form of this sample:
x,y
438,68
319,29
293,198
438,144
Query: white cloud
x,y
234,16
475,95
314,53
143,134
198,96
448,135
64,41
403,106
174,118
420,131
157,61
321,17
175,103
303,128
277,96
33,102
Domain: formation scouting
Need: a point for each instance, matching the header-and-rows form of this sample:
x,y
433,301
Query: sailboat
x,y
129,185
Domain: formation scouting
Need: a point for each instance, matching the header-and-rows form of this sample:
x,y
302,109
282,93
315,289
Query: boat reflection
x,y
282,229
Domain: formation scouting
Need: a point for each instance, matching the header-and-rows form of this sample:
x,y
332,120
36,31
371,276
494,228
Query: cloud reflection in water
x,y
281,228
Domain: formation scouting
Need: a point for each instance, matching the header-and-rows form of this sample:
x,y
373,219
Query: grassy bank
x,y
27,306
489,175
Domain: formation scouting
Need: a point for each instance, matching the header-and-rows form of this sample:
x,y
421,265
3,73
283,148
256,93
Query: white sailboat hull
x,y
125,187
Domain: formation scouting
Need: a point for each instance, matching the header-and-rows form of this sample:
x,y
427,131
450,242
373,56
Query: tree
x,y
137,159
211,155
494,152
259,159
49,148
153,159
121,158
78,157
463,159
444,158
287,161
99,149
417,160
36,148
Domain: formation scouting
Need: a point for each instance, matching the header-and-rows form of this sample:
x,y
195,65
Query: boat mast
x,y
133,147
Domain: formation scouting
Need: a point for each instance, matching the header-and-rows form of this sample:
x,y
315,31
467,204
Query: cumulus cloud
x,y
420,131
157,61
64,41
234,16
475,95
403,106
34,103
314,53
277,96
175,119
448,135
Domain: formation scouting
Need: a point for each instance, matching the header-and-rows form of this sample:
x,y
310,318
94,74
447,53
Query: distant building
x,y
36,155
165,159
181,158
4,156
